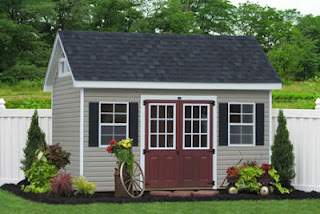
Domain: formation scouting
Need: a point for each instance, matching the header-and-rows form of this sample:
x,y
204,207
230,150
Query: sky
x,y
303,6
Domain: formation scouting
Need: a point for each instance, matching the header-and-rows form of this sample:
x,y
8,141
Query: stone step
x,y
185,193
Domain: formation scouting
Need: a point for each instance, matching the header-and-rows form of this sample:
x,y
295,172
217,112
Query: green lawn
x,y
12,204
29,94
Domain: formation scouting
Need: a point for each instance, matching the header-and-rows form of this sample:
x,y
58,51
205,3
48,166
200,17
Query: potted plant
x,y
123,152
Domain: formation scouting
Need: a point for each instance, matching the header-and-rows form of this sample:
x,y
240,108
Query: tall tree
x,y
114,15
36,140
295,58
213,16
282,157
267,24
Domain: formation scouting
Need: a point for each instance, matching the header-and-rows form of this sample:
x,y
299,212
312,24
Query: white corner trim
x,y
270,124
176,85
45,85
81,128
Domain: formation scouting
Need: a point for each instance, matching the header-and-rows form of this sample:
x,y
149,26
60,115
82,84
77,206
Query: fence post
x,y
317,104
2,102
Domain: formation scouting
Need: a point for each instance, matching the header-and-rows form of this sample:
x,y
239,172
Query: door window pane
x,y
169,111
188,112
162,141
195,126
162,119
204,126
195,111
195,140
169,140
204,140
187,140
204,111
187,127
154,112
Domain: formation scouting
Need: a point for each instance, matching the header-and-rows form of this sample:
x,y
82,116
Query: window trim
x,y
65,67
199,134
174,126
113,124
243,124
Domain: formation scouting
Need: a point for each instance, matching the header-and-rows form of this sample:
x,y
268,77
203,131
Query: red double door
x,y
178,143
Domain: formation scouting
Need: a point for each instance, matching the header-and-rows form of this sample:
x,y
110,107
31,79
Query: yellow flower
x,y
129,144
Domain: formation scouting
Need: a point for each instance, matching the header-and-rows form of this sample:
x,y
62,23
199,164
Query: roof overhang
x,y
176,85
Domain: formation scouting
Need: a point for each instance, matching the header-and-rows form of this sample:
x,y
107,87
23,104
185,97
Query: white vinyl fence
x,y
14,124
303,125
304,133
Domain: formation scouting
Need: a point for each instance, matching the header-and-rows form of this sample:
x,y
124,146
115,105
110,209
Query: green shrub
x,y
56,156
40,176
36,140
83,186
282,157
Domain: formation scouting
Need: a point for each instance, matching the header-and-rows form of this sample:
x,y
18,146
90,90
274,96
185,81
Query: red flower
x,y
113,142
109,149
235,170
229,176
239,173
233,174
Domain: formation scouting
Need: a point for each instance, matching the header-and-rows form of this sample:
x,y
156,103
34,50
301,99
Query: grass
x,y
25,94
10,203
298,95
29,94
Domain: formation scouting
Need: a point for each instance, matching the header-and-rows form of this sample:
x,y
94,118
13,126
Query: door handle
x,y
178,152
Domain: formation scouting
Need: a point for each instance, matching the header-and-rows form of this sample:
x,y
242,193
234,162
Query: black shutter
x,y
260,124
133,122
223,124
93,124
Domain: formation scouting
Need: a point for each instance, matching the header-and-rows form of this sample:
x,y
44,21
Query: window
x,y
113,122
63,68
241,124
162,126
196,126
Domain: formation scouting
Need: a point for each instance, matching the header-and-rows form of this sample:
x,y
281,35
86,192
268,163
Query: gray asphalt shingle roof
x,y
104,56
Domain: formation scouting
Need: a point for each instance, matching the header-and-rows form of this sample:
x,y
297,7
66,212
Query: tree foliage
x,y
282,157
36,140
28,29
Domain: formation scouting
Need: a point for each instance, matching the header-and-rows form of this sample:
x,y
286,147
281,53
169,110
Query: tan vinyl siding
x,y
66,120
99,166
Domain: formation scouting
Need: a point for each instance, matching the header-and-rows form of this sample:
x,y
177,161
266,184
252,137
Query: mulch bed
x,y
108,197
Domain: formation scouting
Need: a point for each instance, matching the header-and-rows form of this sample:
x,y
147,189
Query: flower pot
x,y
119,189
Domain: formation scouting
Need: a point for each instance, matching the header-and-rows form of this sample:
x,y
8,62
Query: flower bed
x,y
108,197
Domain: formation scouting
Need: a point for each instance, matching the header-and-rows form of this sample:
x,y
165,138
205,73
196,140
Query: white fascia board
x,y
176,85
47,87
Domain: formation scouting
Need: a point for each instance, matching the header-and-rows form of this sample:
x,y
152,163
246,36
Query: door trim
x,y
177,97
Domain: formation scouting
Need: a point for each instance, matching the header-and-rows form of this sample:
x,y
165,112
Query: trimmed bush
x,y
282,152
36,140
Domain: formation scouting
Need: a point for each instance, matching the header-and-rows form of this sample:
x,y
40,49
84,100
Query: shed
x,y
190,103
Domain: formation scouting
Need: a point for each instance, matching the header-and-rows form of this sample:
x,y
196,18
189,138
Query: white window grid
x,y
241,123
113,119
200,119
165,119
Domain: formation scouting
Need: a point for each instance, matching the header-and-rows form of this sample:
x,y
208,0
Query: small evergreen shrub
x,y
56,156
39,176
62,184
83,187
36,140
282,157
